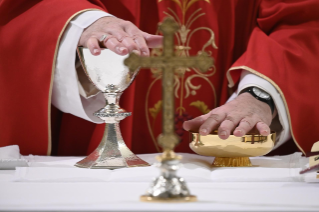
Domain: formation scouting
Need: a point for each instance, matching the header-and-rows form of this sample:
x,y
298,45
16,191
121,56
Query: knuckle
x,y
127,23
246,121
257,119
131,46
120,37
215,117
230,118
250,113
201,118
93,35
136,36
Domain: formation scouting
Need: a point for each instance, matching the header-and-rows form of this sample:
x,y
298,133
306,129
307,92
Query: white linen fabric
x,y
195,168
10,157
10,152
122,195
311,177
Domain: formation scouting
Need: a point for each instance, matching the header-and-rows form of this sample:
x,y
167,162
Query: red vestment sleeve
x,y
284,50
30,32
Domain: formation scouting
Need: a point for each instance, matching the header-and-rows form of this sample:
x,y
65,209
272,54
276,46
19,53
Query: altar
x,y
55,184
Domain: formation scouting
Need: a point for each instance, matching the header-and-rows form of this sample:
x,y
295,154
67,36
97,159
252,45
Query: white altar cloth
x,y
119,190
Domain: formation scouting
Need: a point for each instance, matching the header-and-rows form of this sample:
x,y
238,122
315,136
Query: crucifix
x,y
164,187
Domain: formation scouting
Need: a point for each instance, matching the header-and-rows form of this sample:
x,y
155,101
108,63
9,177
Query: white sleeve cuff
x,y
65,93
247,80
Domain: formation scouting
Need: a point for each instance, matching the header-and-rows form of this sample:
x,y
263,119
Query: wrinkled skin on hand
x,y
122,38
239,116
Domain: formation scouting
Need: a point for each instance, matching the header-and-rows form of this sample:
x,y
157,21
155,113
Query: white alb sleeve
x,y
248,79
65,93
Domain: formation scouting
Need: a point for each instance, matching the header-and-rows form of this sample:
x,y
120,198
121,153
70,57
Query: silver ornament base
x,y
168,187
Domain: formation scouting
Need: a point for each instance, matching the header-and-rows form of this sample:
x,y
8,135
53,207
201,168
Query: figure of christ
x,y
264,77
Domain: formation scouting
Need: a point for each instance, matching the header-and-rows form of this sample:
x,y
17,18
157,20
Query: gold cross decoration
x,y
168,62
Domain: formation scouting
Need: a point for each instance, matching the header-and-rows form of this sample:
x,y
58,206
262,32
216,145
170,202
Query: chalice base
x,y
112,152
232,162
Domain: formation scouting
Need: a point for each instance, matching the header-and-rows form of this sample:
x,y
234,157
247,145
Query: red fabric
x,y
29,32
241,29
284,46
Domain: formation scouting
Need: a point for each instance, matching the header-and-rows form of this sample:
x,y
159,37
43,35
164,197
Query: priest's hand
x,y
241,115
122,37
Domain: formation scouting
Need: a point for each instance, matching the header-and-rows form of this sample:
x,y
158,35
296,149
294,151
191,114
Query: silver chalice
x,y
108,73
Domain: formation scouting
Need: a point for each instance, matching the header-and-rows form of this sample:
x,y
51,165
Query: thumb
x,y
153,41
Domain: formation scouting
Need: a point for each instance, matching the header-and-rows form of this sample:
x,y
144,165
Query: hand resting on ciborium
x,y
242,126
238,117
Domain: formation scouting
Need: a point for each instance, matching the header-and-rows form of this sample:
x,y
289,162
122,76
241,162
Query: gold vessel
x,y
234,151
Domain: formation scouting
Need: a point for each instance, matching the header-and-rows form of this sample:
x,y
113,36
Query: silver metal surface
x,y
108,73
168,185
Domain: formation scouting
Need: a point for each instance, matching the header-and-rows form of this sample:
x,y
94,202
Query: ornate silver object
x,y
108,73
168,186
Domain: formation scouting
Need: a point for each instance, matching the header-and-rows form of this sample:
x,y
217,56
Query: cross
x,y
168,62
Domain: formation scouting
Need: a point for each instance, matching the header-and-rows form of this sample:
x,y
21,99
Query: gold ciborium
x,y
234,151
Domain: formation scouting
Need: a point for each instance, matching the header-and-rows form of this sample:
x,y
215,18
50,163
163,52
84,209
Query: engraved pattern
x,y
112,115
112,152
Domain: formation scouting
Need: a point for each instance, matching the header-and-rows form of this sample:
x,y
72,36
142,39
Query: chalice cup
x,y
109,74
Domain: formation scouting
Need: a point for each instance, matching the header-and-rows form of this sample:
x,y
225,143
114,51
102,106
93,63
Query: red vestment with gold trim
x,y
277,40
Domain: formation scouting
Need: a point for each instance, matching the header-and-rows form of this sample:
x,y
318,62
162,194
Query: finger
x,y
141,43
227,126
153,41
137,37
263,128
211,123
125,39
129,43
114,45
194,124
93,45
245,125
